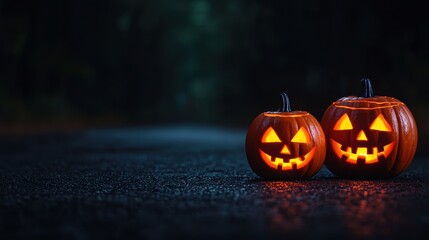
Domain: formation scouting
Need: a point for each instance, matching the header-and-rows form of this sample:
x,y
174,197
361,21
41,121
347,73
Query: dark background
x,y
127,118
87,63
80,64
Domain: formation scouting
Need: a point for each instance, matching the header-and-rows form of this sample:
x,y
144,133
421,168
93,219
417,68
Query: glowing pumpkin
x,y
369,136
285,144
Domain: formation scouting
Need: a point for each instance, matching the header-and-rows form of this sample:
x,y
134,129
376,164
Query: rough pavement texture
x,y
190,183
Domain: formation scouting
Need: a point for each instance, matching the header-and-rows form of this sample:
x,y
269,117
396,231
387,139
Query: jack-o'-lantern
x,y
369,136
285,144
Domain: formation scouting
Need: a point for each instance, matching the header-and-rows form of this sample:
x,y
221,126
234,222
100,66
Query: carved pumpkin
x,y
285,144
369,136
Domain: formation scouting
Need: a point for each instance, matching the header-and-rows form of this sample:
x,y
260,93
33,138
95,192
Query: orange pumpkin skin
x,y
369,137
285,145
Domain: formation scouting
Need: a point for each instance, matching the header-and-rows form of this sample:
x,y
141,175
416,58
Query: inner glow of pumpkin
x,y
361,136
343,123
372,105
270,136
302,136
279,163
379,124
285,150
361,153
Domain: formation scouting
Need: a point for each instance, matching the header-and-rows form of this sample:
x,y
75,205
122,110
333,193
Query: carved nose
x,y
361,136
285,150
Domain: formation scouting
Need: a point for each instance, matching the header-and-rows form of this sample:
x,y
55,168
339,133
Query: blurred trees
x,y
203,61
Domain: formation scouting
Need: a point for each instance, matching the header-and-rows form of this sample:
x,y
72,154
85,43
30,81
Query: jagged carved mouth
x,y
361,153
287,163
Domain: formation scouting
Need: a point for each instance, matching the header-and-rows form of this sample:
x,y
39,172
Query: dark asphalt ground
x,y
189,183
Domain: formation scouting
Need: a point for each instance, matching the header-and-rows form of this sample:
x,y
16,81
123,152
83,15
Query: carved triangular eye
x,y
343,123
301,136
380,124
270,136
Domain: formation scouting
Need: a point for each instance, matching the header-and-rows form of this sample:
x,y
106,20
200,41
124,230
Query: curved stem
x,y
285,103
368,93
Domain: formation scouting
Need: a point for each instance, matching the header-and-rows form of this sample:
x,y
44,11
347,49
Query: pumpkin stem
x,y
286,103
368,93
